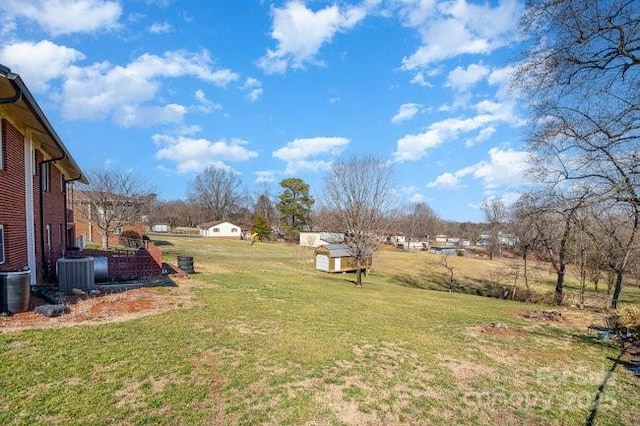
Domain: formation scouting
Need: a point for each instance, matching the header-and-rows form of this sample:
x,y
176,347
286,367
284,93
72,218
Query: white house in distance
x,y
220,228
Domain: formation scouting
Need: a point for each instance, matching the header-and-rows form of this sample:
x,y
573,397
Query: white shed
x,y
160,227
220,228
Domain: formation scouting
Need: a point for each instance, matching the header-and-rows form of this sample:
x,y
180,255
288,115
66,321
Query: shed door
x,y
338,263
322,262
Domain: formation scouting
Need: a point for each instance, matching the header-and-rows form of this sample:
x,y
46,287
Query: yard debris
x,y
499,325
78,292
544,315
52,310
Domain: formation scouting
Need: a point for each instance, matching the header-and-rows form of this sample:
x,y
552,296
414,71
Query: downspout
x,y
43,163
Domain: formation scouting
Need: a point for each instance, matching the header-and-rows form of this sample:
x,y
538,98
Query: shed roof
x,y
338,250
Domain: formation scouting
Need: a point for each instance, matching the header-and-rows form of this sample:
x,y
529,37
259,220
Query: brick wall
x,y
128,265
54,216
12,198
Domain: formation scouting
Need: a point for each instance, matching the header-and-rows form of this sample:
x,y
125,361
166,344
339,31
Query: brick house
x,y
35,170
85,231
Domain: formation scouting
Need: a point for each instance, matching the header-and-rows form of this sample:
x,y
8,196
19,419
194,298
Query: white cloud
x,y
265,176
299,154
300,33
254,88
194,155
406,112
145,116
461,78
420,80
205,105
458,27
482,136
160,28
39,63
415,146
505,167
102,90
66,16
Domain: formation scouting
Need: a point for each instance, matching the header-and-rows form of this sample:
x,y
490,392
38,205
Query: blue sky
x,y
277,89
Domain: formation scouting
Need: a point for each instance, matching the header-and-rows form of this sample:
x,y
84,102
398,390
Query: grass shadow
x,y
161,243
595,406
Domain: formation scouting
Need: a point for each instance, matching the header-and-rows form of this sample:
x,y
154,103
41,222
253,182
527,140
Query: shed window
x,y
1,243
234,229
216,229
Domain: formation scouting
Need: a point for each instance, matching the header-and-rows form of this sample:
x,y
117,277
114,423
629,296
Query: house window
x,y
1,243
46,177
234,229
117,230
216,229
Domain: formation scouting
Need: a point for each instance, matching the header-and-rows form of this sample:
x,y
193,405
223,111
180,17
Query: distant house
x,y
446,251
414,245
160,227
221,228
35,170
336,258
442,238
397,240
317,239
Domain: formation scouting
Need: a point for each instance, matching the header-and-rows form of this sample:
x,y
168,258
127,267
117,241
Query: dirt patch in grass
x,y
564,317
498,330
115,307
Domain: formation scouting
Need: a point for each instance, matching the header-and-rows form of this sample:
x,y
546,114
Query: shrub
x,y
130,238
629,317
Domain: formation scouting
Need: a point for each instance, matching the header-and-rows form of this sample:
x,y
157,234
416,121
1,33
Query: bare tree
x,y
175,213
444,262
217,191
111,199
495,213
617,226
525,231
582,79
419,222
555,218
358,194
264,207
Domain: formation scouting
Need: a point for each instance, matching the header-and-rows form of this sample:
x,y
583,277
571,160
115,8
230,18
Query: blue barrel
x,y
15,291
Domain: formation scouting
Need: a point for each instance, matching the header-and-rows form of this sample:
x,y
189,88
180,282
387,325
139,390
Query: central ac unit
x,y
75,273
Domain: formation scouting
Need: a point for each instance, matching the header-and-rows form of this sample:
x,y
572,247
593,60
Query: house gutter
x,y
6,73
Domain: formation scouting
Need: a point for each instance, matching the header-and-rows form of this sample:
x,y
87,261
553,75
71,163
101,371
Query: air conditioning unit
x,y
75,273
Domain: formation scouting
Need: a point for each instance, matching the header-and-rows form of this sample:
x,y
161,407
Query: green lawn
x,y
271,341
